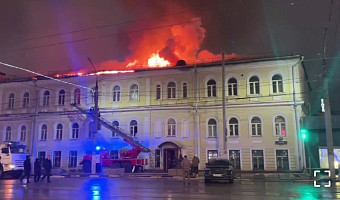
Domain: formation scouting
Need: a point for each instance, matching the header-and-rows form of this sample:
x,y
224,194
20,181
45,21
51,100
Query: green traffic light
x,y
303,133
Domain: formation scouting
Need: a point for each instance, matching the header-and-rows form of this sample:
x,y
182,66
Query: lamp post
x,y
96,111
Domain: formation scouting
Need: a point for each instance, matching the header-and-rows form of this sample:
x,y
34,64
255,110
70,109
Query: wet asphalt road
x,y
162,188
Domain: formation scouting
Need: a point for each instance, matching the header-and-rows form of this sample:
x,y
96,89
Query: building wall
x,y
191,114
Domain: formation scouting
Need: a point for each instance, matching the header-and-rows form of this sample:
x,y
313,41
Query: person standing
x,y
186,165
47,168
195,161
37,170
27,169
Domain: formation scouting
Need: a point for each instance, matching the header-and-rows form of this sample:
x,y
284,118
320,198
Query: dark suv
x,y
218,169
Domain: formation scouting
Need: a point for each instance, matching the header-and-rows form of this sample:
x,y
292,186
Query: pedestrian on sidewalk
x,y
186,165
195,161
47,168
27,169
37,170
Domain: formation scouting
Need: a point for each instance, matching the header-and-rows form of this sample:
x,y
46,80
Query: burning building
x,y
172,110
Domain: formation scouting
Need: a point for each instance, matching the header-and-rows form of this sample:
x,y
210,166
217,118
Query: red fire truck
x,y
128,159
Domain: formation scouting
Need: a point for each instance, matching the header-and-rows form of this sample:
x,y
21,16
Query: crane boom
x,y
122,133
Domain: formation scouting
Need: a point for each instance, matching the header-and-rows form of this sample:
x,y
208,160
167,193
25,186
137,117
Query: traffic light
x,y
303,133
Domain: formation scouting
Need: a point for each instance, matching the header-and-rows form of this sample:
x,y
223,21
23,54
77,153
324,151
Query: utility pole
x,y
34,125
223,107
328,117
96,113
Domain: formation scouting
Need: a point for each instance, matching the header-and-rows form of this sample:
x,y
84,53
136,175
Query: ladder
x,y
122,133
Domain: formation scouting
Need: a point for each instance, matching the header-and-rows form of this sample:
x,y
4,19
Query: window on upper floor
x,y
277,84
59,132
158,92
116,93
171,90
26,100
185,90
43,134
11,101
171,127
133,128
256,126
46,98
8,133
233,127
116,124
232,87
280,126
254,85
61,98
23,133
212,128
76,97
75,131
134,93
211,88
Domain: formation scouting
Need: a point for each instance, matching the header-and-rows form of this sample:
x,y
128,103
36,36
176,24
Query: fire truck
x,y
128,159
13,155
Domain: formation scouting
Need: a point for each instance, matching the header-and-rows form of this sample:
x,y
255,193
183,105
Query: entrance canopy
x,y
169,144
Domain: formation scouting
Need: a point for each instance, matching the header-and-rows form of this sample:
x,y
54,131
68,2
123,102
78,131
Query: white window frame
x,y
113,134
158,92
213,128
251,158
253,84
59,132
133,128
26,100
279,125
232,127
46,98
233,87
116,94
73,159
54,159
75,131
8,133
277,84
289,161
172,128
212,88
43,133
23,133
185,84
11,98
235,149
258,125
208,150
61,97
171,90
134,92
77,96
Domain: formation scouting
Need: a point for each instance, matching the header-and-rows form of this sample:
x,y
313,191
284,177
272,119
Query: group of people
x,y
189,166
46,165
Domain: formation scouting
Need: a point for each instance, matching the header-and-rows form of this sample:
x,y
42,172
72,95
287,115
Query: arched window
x,y
11,101
256,129
76,97
254,85
171,127
185,90
26,100
134,94
46,98
61,98
116,93
158,92
116,124
280,126
211,88
133,128
23,133
212,128
232,87
8,134
59,133
75,131
43,135
277,84
171,90
233,126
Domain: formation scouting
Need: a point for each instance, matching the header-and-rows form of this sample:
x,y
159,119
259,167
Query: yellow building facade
x,y
173,111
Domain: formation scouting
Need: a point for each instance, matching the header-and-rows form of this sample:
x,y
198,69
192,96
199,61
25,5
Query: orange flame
x,y
156,61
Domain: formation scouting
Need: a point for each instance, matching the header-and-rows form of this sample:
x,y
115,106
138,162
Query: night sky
x,y
50,36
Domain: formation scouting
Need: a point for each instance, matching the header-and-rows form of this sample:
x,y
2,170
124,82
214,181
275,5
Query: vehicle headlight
x,y
11,166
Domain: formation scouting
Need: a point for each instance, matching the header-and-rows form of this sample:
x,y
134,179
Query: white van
x,y
13,155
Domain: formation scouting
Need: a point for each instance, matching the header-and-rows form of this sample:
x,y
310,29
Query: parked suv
x,y
219,169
